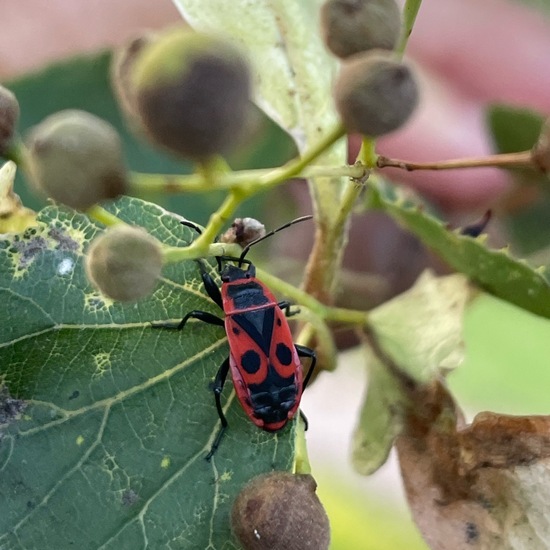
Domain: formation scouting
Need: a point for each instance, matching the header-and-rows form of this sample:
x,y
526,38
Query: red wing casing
x,y
266,370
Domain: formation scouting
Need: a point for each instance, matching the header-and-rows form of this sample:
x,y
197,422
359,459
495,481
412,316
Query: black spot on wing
x,y
250,361
284,355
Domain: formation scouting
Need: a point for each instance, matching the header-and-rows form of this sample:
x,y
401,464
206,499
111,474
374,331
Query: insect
x,y
263,359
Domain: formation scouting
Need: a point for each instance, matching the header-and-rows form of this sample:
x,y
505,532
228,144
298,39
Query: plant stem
x,y
218,219
174,254
294,167
16,153
327,313
99,214
410,11
248,180
367,153
301,458
507,160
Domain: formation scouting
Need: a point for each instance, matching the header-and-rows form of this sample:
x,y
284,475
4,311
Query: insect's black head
x,y
231,273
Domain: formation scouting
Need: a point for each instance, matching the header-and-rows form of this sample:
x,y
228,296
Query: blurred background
x,y
485,77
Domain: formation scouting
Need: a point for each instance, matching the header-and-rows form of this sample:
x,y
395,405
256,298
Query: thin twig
x,y
507,160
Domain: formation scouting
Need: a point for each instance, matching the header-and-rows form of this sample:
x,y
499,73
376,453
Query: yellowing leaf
x,y
421,329
14,217
380,420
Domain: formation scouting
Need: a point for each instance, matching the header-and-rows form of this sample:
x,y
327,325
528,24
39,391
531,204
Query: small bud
x,y
124,263
193,93
540,154
375,94
280,511
243,231
353,26
9,115
76,158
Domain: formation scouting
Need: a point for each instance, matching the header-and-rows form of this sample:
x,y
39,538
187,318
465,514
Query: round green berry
x,y
76,159
353,26
9,115
124,263
193,92
375,94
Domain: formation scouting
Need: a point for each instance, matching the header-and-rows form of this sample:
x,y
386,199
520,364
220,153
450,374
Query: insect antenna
x,y
256,241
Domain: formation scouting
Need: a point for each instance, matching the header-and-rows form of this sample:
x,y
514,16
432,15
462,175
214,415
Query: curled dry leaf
x,y
485,485
14,217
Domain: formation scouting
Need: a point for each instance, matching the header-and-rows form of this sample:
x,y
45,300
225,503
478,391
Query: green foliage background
x,y
110,449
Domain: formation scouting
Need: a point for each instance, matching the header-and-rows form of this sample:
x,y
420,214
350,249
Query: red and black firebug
x,y
263,359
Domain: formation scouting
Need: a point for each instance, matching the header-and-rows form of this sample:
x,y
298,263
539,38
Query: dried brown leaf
x,y
486,485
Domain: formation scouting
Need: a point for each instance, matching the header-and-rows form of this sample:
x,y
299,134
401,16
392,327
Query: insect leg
x,y
306,352
304,420
217,388
285,306
195,314
210,286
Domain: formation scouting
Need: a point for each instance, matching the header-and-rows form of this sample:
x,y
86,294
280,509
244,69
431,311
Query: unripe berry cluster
x,y
375,92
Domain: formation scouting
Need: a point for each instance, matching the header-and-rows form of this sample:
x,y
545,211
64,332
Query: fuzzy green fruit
x,y
122,66
9,115
76,159
124,263
375,94
280,511
192,92
353,26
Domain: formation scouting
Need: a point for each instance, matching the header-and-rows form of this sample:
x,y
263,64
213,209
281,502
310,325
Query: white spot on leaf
x,y
65,266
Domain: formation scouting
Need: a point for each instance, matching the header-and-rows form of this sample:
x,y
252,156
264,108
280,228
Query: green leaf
x,y
415,339
495,271
109,452
421,329
380,420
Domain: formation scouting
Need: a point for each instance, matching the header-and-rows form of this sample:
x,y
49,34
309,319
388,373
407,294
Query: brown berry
x,y
9,115
353,26
124,263
193,93
375,94
280,511
76,159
